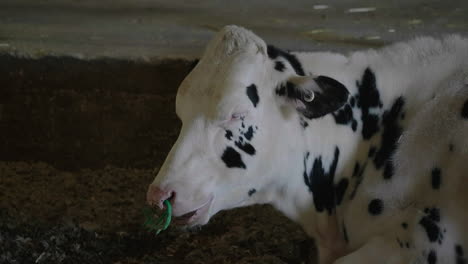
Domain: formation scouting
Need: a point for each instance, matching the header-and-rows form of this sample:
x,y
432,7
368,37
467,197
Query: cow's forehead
x,y
234,60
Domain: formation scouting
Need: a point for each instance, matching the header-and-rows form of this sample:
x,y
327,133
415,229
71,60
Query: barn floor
x,y
95,216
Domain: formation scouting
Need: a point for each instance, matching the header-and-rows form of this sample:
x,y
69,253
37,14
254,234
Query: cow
x,y
368,151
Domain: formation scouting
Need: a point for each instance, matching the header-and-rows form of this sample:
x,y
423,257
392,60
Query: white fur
x,y
429,73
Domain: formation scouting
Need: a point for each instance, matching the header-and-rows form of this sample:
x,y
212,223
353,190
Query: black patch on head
x,y
246,147
228,134
368,98
252,93
464,111
279,66
345,233
249,134
274,53
352,101
432,257
340,190
320,182
358,176
344,116
391,134
375,207
460,259
430,224
436,178
252,191
404,225
232,158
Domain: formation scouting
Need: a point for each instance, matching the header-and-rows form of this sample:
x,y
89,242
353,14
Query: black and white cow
x,y
368,152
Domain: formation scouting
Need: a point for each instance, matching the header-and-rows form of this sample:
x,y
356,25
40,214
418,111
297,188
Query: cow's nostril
x,y
171,197
157,196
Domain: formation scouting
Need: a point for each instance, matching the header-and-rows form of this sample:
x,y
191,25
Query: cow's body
x,y
380,179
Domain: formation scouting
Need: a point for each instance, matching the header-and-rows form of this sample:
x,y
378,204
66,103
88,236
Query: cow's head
x,y
240,110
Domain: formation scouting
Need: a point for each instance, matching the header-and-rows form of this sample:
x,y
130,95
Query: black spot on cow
x,y
356,169
352,101
281,89
369,97
375,207
340,190
345,233
357,177
407,245
404,225
344,116
372,151
249,134
252,93
430,224
459,255
391,133
436,178
320,182
252,191
331,98
433,213
274,53
246,147
279,66
303,123
228,134
232,158
432,257
464,111
388,170
354,125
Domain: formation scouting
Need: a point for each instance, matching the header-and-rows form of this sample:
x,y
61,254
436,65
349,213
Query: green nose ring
x,y
159,224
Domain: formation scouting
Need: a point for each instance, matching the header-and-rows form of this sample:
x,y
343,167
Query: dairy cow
x,y
368,152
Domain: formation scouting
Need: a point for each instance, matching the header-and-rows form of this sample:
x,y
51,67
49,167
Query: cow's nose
x,y
156,195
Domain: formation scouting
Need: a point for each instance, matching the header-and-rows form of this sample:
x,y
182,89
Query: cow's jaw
x,y
198,216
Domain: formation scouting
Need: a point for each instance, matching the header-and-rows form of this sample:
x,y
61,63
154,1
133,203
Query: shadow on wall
x,y
76,114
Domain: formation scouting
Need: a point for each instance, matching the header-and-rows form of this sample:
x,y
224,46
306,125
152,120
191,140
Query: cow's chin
x,y
197,217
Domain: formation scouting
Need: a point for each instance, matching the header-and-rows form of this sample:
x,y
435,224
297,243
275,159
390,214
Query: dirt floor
x,y
95,216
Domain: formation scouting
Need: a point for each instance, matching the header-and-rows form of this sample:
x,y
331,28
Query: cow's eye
x,y
237,116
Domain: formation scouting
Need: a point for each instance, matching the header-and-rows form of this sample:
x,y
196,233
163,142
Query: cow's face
x,y
236,111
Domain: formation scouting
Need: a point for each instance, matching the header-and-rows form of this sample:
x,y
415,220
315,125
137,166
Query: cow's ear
x,y
314,96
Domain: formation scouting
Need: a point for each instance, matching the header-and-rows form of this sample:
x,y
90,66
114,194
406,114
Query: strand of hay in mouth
x,y
159,224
